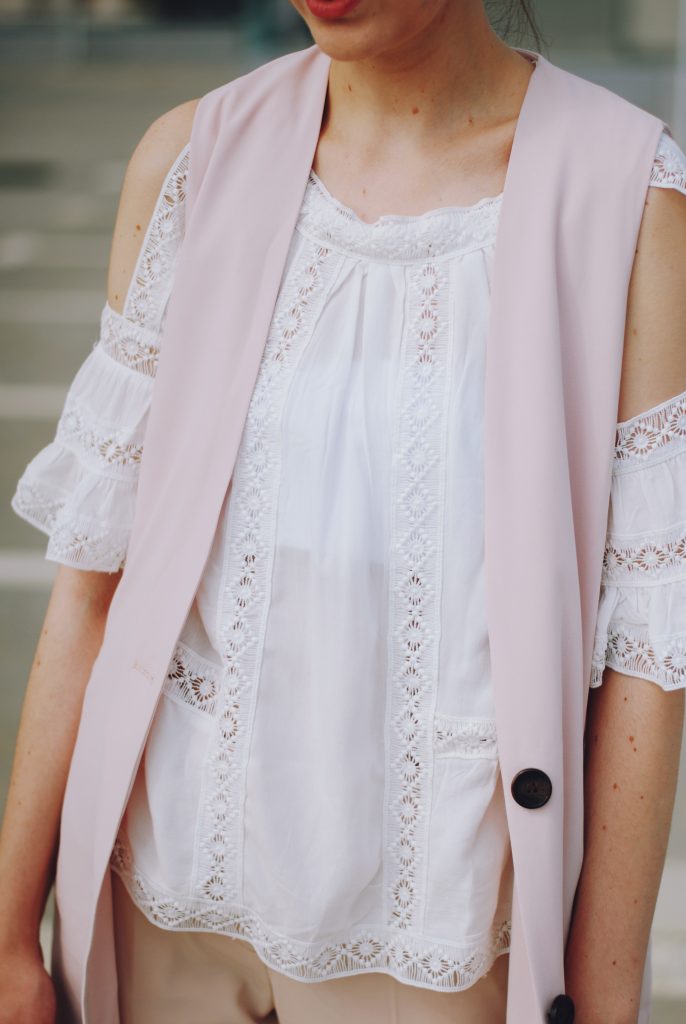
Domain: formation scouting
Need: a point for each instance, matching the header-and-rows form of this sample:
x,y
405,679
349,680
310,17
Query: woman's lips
x,y
330,9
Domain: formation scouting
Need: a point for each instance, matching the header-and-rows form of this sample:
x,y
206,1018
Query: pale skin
x,y
423,99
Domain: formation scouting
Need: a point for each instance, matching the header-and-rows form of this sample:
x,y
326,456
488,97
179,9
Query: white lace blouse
x,y
321,777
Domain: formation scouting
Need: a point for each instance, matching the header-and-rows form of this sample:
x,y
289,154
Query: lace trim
x,y
465,737
661,431
152,279
35,504
444,232
246,572
662,662
73,540
128,343
417,503
88,545
653,557
428,964
669,166
192,680
111,452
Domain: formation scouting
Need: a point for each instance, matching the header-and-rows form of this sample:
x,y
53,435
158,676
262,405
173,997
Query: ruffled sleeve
x,y
80,489
641,625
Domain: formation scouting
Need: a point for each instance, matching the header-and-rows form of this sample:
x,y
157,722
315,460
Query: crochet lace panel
x,y
439,233
662,661
651,436
419,962
73,538
669,165
414,571
152,278
465,737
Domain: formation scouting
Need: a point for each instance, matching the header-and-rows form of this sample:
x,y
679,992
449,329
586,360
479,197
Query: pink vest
x,y
564,254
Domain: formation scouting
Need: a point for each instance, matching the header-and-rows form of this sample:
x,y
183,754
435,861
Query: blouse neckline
x,y
440,233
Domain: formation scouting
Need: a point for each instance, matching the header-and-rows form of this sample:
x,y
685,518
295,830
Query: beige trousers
x,y
170,977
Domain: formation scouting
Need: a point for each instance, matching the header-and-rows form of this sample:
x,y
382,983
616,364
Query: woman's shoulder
x,y
160,157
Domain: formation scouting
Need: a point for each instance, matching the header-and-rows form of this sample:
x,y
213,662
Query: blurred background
x,y
80,80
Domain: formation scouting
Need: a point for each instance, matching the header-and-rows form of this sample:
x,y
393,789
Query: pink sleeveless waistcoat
x,y
564,254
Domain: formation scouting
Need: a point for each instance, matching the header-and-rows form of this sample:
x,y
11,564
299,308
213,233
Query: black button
x,y
561,1010
531,787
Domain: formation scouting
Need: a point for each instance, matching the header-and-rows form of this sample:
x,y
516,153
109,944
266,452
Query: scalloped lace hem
x,y
662,662
72,539
424,963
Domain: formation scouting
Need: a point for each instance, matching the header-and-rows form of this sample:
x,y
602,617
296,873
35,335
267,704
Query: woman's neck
x,y
457,76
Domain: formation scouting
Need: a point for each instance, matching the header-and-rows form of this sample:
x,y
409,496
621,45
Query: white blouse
x,y
321,777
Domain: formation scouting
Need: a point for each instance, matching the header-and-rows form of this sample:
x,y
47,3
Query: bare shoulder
x,y
150,162
654,363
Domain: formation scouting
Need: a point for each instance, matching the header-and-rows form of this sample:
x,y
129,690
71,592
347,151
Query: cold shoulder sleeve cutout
x,y
80,489
641,625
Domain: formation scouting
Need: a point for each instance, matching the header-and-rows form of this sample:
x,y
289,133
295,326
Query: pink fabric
x,y
563,259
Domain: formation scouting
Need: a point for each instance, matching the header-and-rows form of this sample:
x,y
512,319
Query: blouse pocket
x,y
157,845
468,904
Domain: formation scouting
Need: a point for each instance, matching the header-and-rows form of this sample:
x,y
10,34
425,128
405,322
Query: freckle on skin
x,y
631,739
415,110
604,828
614,963
615,786
138,227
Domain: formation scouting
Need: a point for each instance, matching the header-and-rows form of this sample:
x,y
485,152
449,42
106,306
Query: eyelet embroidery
x,y
109,453
659,556
152,279
414,594
73,539
192,680
662,662
246,574
456,736
128,343
669,166
661,432
423,963
432,235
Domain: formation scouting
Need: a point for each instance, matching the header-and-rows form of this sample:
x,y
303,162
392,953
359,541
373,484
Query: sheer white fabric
x,y
321,777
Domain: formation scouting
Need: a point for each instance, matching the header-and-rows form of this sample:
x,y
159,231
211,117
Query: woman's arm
x,y
69,641
70,638
633,727
633,741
